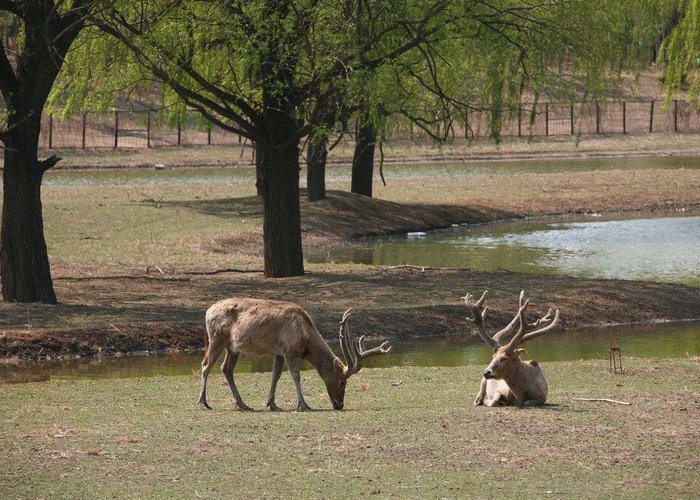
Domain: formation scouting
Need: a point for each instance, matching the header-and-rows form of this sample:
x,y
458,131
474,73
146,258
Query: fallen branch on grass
x,y
605,400
220,271
422,269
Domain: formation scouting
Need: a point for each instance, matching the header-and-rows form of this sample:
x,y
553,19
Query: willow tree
x,y
35,36
493,55
679,57
253,68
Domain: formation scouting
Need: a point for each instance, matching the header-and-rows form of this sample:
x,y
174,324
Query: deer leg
x,y
276,373
533,402
216,345
227,367
293,365
482,392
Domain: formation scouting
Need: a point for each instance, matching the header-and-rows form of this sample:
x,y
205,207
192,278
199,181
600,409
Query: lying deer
x,y
285,331
508,380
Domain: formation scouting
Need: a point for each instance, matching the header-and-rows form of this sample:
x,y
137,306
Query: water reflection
x,y
668,340
655,248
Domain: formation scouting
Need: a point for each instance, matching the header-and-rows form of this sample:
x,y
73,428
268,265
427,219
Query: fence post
x,y
624,117
520,119
148,129
675,115
179,132
571,117
84,127
597,117
208,134
546,119
116,129
651,117
51,131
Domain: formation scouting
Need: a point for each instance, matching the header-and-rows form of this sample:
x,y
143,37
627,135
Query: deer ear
x,y
495,349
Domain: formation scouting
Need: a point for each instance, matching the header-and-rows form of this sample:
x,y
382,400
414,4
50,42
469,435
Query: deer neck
x,y
320,355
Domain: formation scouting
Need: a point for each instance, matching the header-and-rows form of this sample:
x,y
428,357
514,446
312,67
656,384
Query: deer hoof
x,y
303,408
273,406
204,405
243,406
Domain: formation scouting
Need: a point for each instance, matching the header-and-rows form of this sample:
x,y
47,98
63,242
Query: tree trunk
x,y
316,166
279,144
258,168
363,159
48,32
24,262
281,212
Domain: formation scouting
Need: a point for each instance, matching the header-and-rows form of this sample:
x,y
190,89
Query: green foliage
x,y
467,55
679,58
495,55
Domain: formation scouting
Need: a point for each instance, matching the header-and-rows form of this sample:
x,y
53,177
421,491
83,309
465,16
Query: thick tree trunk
x,y
363,159
259,154
24,262
316,166
48,32
281,212
279,144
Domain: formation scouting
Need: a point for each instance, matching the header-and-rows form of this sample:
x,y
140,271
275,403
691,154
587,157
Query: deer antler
x,y
523,335
354,352
478,311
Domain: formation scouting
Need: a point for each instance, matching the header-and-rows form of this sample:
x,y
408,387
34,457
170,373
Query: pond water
x,y
669,340
654,248
246,175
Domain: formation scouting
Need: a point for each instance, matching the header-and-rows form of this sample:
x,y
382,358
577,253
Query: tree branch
x,y
48,163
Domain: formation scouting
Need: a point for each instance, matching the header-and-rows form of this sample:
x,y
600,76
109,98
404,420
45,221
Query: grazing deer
x,y
508,380
286,331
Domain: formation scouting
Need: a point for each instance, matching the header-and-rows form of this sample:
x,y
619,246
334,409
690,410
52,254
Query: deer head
x,y
355,356
506,355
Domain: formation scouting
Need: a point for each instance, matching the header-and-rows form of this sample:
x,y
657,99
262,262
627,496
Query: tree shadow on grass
x,y
349,216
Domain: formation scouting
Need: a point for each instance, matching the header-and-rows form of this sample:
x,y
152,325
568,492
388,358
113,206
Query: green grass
x,y
127,227
406,432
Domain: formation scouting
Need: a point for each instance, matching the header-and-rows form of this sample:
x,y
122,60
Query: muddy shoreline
x,y
389,303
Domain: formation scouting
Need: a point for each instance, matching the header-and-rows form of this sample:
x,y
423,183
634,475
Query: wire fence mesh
x,y
143,129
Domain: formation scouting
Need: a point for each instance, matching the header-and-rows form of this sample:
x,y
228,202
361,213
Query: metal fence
x,y
143,129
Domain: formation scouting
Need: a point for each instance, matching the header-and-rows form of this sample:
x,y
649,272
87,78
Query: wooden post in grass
x,y
84,129
675,115
116,129
651,117
571,117
148,129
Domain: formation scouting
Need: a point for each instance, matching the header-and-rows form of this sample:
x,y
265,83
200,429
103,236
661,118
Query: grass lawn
x,y
406,432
